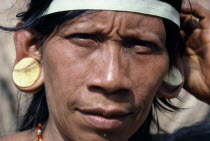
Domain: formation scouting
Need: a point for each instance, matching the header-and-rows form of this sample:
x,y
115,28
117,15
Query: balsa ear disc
x,y
174,77
26,72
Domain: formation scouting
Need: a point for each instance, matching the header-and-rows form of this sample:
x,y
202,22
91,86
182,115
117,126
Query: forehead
x,y
112,19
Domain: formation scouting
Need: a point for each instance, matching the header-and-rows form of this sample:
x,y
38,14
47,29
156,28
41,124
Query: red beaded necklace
x,y
39,132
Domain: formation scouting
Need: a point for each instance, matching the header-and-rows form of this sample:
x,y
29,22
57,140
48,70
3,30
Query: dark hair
x,y
37,111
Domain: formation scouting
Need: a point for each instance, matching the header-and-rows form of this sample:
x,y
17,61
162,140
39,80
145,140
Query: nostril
x,y
122,91
97,89
101,90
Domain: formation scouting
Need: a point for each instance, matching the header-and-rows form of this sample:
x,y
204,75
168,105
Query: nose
x,y
111,74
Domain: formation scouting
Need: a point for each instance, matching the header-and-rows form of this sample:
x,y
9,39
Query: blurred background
x,y
9,96
11,101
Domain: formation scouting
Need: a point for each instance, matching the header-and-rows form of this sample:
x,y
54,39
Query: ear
x,y
28,46
168,91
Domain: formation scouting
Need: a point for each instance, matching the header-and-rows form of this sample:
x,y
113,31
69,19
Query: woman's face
x,y
102,72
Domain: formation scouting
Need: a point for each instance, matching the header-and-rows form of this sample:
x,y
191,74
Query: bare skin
x,y
112,71
196,34
107,75
100,74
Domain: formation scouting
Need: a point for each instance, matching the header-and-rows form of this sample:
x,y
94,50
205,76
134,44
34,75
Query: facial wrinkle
x,y
116,26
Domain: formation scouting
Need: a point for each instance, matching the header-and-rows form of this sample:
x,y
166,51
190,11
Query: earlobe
x,y
173,81
174,78
27,73
172,84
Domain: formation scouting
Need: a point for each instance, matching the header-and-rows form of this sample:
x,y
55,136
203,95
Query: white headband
x,y
150,7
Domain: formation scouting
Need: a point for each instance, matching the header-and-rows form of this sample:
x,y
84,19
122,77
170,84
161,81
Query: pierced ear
x,y
173,82
27,46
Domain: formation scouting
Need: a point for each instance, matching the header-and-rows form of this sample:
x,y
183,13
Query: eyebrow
x,y
83,25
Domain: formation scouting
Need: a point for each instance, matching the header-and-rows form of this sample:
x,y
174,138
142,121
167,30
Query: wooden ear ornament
x,y
26,72
174,78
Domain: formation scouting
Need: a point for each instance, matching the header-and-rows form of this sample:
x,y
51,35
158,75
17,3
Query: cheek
x,y
62,64
147,78
65,71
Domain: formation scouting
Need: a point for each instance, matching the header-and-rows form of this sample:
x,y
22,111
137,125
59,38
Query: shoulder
x,y
21,136
196,132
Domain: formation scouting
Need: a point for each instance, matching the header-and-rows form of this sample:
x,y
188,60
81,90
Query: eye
x,y
83,39
141,43
82,36
141,46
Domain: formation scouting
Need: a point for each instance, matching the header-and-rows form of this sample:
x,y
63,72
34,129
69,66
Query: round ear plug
x,y
174,77
26,72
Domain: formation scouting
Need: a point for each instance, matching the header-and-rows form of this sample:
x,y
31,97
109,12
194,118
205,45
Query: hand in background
x,y
196,35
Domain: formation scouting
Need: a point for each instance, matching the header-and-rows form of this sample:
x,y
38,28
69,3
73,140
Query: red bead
x,y
39,126
39,136
39,132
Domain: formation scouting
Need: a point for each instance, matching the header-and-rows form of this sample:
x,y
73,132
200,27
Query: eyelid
x,y
81,35
92,36
136,42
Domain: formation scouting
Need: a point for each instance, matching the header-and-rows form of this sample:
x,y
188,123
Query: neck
x,y
51,132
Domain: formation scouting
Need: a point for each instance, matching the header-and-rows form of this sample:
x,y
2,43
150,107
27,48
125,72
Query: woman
x,y
96,69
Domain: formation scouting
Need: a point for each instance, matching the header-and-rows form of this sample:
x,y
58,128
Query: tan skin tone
x,y
113,69
105,72
196,34
113,73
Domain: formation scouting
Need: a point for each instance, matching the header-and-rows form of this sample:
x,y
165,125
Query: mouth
x,y
105,119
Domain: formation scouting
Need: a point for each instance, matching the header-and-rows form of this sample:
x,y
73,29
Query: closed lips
x,y
109,114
